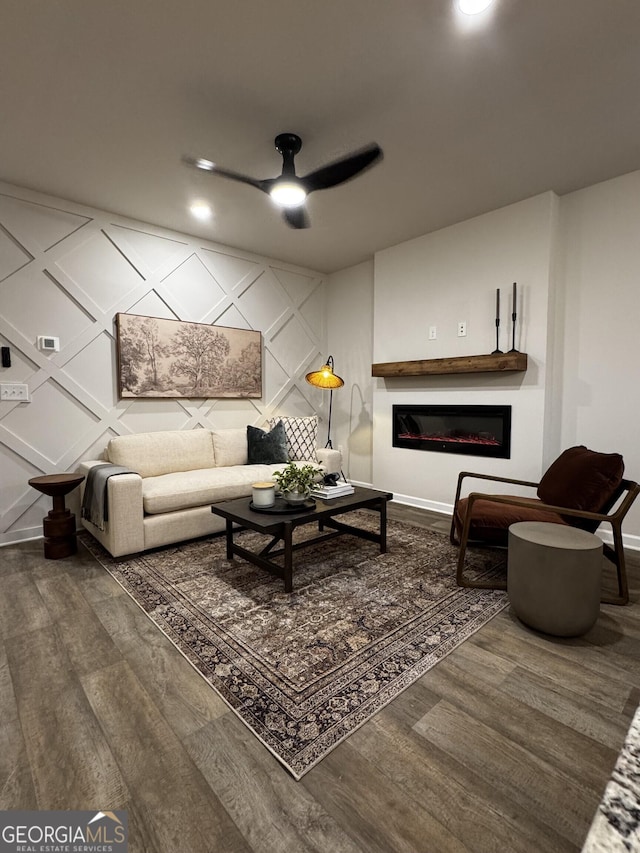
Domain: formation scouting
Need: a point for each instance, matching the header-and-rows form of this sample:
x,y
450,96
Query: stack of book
x,y
325,492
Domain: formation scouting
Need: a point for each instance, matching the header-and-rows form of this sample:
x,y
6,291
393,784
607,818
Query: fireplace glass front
x,y
472,430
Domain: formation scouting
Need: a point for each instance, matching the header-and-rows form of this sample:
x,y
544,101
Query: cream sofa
x,y
179,474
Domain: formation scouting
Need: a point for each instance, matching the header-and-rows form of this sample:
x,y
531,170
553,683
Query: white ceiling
x,y
99,101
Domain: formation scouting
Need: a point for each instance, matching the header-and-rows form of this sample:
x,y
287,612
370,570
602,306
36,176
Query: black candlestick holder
x,y
513,340
497,350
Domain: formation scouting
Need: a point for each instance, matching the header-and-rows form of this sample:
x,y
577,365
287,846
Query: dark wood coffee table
x,y
280,526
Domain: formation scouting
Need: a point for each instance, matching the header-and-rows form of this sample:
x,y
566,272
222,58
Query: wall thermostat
x,y
48,343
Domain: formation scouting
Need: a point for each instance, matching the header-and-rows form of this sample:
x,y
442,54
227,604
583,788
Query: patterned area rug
x,y
304,670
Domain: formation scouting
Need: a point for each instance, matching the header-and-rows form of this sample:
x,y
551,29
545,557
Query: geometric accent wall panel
x,y
193,287
263,302
228,413
154,251
276,379
38,226
231,317
229,270
297,286
312,309
34,303
82,369
49,421
292,345
152,304
149,415
16,473
99,269
12,255
66,270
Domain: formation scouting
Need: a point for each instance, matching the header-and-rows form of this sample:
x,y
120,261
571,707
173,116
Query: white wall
x,y
350,342
65,271
599,394
441,279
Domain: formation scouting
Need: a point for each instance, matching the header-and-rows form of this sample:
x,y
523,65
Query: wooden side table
x,y
60,524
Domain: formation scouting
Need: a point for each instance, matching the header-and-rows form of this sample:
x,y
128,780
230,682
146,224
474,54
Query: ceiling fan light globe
x,y
288,194
473,7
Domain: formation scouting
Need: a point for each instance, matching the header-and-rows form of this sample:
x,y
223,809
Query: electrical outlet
x,y
462,328
433,333
14,391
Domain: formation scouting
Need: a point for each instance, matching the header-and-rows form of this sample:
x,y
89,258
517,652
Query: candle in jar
x,y
263,494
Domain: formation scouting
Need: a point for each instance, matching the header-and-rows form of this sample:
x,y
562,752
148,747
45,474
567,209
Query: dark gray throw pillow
x,y
267,448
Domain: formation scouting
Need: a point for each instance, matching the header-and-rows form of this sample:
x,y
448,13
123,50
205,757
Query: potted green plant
x,y
295,481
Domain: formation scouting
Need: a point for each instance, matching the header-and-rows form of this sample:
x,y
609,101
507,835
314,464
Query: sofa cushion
x,y
230,446
151,454
302,437
582,479
267,447
185,489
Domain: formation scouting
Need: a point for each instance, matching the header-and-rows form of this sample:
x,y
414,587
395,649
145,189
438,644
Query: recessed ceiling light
x,y
473,7
201,210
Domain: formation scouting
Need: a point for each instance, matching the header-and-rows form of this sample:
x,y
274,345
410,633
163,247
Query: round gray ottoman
x,y
553,577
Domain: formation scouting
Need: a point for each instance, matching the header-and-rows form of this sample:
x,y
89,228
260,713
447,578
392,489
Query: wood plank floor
x,y
506,745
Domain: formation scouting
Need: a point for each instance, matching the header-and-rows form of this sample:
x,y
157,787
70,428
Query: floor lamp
x,y
327,379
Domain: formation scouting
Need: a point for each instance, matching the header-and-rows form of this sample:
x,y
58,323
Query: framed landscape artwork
x,y
172,358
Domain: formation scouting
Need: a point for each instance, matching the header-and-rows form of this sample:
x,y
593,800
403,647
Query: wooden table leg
x,y
288,556
229,539
383,527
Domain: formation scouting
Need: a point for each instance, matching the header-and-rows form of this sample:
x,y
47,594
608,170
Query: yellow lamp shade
x,y
325,377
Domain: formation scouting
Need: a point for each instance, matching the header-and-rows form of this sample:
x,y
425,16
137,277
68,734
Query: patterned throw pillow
x,y
267,448
302,437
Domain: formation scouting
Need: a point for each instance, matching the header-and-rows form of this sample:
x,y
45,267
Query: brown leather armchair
x,y
582,488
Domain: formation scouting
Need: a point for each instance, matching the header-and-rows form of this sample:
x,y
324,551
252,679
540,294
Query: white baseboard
x,y
421,503
26,535
409,500
630,543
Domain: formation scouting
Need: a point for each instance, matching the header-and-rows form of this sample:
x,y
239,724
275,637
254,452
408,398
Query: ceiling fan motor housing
x,y
288,144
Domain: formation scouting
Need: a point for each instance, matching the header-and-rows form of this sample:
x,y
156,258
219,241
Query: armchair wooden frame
x,y
626,493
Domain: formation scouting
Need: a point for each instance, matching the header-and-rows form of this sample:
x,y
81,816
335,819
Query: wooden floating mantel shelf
x,y
507,362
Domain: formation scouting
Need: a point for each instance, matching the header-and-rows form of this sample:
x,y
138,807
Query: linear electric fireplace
x,y
473,430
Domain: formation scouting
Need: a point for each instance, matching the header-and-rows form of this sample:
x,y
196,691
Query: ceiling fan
x,y
290,191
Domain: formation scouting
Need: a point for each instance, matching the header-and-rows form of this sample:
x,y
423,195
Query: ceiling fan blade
x,y
296,217
209,166
342,170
